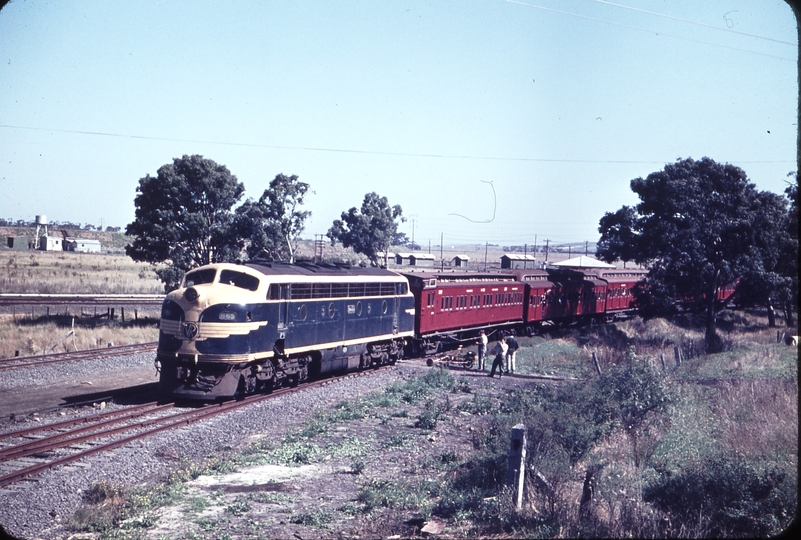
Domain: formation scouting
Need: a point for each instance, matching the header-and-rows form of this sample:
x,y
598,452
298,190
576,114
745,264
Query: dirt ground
x,y
321,499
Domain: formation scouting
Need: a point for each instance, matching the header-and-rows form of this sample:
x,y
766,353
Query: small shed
x,y
514,261
51,243
422,259
460,261
18,242
82,245
403,259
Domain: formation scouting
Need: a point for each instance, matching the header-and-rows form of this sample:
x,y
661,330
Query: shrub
x,y
428,418
730,495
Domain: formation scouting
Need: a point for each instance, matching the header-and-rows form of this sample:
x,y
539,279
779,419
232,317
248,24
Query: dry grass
x,y
67,272
758,416
38,336
35,330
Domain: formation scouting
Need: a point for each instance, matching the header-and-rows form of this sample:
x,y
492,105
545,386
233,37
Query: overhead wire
x,y
713,27
639,28
352,151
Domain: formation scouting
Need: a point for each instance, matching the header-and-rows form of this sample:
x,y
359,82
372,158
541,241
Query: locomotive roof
x,y
317,269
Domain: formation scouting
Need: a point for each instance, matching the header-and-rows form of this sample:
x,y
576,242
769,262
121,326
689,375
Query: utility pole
x,y
586,248
441,247
486,249
525,255
546,249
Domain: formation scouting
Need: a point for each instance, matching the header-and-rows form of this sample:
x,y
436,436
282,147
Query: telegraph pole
x,y
441,247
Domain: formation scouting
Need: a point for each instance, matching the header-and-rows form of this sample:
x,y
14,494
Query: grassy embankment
x,y
33,330
708,448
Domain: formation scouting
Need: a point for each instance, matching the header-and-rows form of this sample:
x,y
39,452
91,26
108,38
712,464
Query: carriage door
x,y
395,307
281,293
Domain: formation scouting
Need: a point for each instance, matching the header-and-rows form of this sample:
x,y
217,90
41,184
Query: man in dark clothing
x,y
500,353
510,353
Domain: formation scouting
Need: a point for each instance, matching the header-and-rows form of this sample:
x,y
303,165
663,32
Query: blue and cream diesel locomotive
x,y
236,329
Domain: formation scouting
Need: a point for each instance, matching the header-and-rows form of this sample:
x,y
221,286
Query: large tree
x,y
699,226
184,217
370,231
273,224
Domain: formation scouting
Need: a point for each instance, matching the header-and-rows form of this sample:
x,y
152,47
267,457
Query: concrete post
x,y
516,474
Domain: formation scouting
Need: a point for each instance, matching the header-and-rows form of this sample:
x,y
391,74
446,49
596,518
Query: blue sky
x,y
487,121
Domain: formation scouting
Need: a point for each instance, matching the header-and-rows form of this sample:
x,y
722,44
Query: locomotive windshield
x,y
199,277
239,279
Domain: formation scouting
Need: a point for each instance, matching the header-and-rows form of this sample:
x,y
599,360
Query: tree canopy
x,y
371,230
699,226
273,224
184,215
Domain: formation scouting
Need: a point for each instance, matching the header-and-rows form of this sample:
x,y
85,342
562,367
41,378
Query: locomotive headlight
x,y
191,294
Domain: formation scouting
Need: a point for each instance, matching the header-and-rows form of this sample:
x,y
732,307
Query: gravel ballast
x,y
42,506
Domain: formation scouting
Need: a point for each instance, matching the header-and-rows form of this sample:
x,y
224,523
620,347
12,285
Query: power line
x,y
713,27
657,32
351,151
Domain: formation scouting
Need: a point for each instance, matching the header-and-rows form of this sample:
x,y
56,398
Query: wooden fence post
x,y
595,361
516,475
677,354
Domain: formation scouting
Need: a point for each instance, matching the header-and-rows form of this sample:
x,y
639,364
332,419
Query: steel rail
x,y
175,421
16,299
75,421
74,356
59,440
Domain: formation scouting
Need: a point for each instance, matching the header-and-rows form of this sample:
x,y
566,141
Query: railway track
x,y
35,299
82,437
45,359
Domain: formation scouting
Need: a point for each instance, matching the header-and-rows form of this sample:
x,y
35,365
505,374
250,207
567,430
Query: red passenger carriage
x,y
456,305
620,289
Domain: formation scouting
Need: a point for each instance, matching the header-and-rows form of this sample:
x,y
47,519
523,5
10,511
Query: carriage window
x,y
339,290
301,290
387,289
321,290
239,279
356,289
278,291
199,277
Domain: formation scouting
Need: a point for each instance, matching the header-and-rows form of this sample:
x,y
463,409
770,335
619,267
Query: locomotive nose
x,y
191,295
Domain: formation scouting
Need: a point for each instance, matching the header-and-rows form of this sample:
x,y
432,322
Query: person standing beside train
x,y
510,353
482,350
500,354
